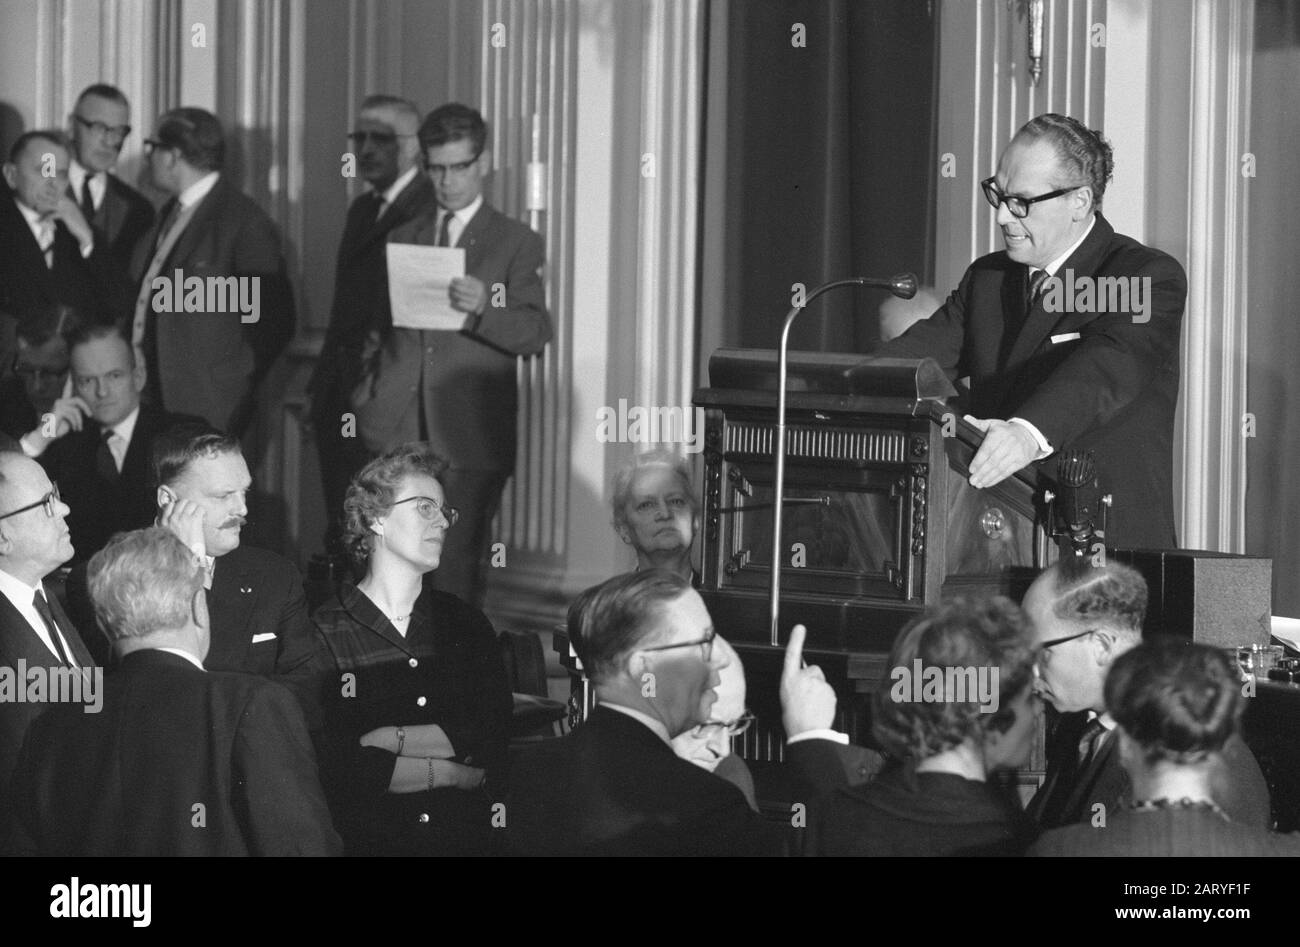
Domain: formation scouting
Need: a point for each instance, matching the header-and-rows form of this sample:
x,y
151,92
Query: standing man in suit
x,y
614,786
120,215
101,451
201,362
388,157
34,541
48,254
181,760
456,389
255,597
1050,369
1084,618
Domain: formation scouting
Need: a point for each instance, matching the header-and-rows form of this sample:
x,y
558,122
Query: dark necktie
x,y
1032,289
1092,736
444,230
380,206
87,201
105,463
43,609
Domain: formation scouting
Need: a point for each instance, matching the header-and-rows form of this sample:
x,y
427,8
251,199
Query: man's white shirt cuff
x,y
1044,448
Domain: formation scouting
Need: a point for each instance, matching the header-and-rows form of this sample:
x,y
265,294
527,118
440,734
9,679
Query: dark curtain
x,y
830,163
1273,332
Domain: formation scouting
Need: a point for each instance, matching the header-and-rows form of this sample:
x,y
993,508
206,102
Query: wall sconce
x,y
1032,12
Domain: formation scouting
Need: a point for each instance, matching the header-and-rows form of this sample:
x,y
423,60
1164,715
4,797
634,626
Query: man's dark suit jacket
x,y
19,642
260,623
28,286
121,219
101,507
612,787
209,364
1112,391
1068,795
467,377
169,739
361,291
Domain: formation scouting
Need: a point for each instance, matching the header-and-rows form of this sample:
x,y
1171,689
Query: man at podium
x,y
1069,335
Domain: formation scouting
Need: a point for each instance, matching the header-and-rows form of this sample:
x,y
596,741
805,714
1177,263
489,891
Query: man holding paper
x,y
467,300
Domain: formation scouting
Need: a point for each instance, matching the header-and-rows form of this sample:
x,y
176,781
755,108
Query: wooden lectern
x,y
879,522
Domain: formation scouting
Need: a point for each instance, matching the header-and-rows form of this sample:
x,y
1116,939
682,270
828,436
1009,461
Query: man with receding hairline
x,y
614,786
34,631
1084,617
48,253
387,150
98,126
207,362
1047,375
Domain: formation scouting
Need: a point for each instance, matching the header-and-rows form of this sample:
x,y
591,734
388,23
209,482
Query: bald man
x,y
34,631
387,150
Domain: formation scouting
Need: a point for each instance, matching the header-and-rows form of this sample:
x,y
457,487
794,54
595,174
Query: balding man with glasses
x,y
1069,335
387,152
34,631
98,127
614,786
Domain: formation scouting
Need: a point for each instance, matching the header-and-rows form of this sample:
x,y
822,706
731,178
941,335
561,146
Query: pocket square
x,y
264,636
1065,337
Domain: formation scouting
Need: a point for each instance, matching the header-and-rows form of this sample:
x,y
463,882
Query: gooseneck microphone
x,y
903,285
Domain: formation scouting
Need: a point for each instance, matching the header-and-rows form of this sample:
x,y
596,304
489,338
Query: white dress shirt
x,y
120,442
20,595
1045,448
79,175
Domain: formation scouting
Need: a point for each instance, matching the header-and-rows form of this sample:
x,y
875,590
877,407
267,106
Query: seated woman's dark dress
x,y
446,671
902,812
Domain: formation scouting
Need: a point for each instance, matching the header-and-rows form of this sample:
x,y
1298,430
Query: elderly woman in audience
x,y
417,701
956,708
708,745
656,512
1175,704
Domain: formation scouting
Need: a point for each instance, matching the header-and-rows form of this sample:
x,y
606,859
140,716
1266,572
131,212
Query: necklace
x,y
396,618
1153,804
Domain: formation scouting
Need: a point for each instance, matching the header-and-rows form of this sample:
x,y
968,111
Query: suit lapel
x,y
1039,323
476,234
402,210
195,230
230,608
70,634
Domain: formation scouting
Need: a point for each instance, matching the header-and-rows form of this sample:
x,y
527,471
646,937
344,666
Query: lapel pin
x,y
245,589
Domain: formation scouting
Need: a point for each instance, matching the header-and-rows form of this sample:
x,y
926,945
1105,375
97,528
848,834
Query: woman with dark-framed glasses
x,y
417,702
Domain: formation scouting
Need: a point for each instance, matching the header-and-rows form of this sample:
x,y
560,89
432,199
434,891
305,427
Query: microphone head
x,y
1076,468
903,285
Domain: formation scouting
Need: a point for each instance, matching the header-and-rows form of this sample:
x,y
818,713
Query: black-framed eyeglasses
x,y
1047,645
733,728
115,133
460,167
1019,206
153,144
427,508
48,501
379,138
706,642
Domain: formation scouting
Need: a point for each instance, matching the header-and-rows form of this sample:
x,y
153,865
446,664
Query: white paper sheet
x,y
418,281
1287,630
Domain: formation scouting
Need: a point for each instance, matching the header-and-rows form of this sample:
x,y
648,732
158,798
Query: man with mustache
x,y
254,596
1044,378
